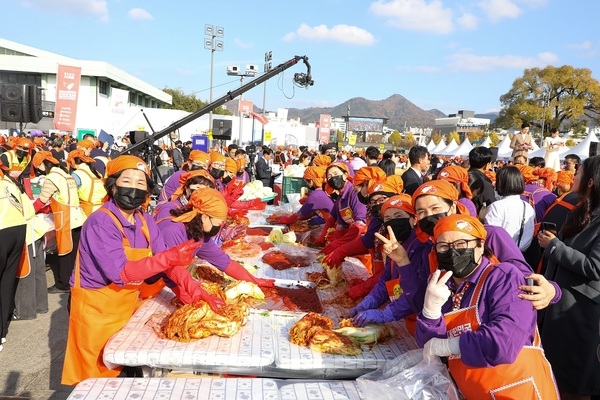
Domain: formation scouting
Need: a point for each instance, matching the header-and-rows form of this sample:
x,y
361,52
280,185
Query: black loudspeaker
x,y
137,136
494,151
221,129
20,103
593,149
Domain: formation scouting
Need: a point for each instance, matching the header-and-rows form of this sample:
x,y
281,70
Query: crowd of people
x,y
494,266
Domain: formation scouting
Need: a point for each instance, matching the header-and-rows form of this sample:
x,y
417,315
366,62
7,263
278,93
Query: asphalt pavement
x,y
32,360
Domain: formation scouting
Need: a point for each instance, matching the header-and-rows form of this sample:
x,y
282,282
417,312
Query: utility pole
x,y
267,68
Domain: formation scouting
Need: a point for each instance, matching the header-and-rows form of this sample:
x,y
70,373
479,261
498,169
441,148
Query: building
x,y
462,122
20,64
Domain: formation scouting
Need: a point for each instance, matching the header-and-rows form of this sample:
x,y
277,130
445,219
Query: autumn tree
x,y
551,97
395,138
474,136
453,135
494,139
408,141
189,103
436,137
570,143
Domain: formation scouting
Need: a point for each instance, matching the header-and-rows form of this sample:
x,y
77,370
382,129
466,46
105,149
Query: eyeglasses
x,y
460,244
377,201
218,165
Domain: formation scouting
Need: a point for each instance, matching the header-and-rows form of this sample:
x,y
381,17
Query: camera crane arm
x,y
300,79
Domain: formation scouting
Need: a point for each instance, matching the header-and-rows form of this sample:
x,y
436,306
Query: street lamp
x,y
213,45
251,71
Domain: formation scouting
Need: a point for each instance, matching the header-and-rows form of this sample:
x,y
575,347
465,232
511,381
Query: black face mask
x,y
426,224
213,231
240,173
333,157
363,199
226,179
195,167
460,262
336,182
130,198
22,153
401,228
376,211
216,173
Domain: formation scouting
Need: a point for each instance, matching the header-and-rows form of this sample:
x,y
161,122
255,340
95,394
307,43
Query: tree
x,y
551,97
570,143
494,139
189,103
408,141
395,138
436,137
453,135
474,136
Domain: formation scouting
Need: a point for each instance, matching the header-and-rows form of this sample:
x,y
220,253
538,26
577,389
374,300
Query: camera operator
x,y
264,172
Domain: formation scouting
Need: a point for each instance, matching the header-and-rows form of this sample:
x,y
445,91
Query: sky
x,y
445,54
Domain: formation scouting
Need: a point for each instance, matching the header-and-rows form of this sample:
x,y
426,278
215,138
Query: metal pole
x,y
240,109
267,68
212,59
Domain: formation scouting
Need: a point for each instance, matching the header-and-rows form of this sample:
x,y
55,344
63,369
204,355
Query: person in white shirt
x,y
553,144
510,212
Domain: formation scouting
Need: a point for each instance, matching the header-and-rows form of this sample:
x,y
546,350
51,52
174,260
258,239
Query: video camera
x,y
251,150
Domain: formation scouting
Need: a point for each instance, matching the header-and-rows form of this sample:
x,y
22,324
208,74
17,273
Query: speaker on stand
x,y
20,103
593,151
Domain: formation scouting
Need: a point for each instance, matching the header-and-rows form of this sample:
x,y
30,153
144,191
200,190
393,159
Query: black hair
x,y
304,156
199,180
111,182
388,154
573,157
416,153
578,219
240,151
267,150
537,162
91,165
388,166
510,181
57,142
480,156
372,152
232,146
194,228
555,129
89,135
525,125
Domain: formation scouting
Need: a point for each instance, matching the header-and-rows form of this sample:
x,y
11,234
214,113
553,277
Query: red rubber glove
x,y
330,223
290,219
353,248
38,206
189,290
364,288
180,255
237,271
352,233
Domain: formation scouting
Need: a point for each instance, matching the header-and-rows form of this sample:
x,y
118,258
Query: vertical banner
x,y
246,106
119,99
67,90
324,128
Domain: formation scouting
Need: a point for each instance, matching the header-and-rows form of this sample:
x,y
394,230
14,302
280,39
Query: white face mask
x,y
344,157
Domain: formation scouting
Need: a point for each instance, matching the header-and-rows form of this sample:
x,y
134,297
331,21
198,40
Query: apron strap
x,y
89,200
145,230
479,286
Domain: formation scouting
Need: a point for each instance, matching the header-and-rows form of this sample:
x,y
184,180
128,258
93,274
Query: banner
x,y
324,128
246,106
268,137
67,91
352,140
119,99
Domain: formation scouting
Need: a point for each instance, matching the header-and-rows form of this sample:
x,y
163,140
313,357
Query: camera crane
x,y
301,79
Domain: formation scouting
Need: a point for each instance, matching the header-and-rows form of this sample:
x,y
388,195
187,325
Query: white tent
x,y
487,142
582,149
463,150
504,150
439,147
430,146
450,148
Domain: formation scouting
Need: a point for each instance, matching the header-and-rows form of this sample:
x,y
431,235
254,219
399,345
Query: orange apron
x,y
96,315
86,205
528,377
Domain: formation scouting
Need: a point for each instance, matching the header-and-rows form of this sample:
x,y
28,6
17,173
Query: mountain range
x,y
398,110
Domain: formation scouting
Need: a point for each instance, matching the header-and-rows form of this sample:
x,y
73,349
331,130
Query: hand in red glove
x,y
264,282
364,288
182,254
237,271
189,290
334,258
290,219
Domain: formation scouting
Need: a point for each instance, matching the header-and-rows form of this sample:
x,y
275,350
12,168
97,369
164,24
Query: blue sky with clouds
x,y
449,55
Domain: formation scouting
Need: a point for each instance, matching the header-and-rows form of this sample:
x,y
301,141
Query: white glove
x,y
436,295
441,347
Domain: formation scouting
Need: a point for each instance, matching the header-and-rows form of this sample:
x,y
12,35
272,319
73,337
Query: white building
x,y
462,122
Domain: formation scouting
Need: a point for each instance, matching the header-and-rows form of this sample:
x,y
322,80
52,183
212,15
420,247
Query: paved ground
x,y
32,359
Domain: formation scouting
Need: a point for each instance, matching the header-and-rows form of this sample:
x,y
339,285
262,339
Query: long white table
x,y
212,389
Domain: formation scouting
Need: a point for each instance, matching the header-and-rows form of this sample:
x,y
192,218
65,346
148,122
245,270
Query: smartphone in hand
x,y
530,282
550,227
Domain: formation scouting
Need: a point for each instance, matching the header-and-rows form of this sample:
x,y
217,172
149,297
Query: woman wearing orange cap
x,y
201,220
473,315
90,186
17,160
189,182
348,216
394,283
216,169
198,159
233,188
120,247
459,176
241,174
59,190
318,204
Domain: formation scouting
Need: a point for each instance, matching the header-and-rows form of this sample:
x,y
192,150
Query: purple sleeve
x,y
316,200
429,328
368,239
508,323
469,205
210,252
164,210
558,294
505,249
171,185
358,208
400,308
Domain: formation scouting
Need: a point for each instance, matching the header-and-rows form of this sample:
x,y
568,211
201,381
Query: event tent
x,y
487,142
447,151
463,150
582,149
438,148
430,146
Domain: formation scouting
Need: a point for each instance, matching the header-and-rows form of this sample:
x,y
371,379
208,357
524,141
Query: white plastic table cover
x,y
212,389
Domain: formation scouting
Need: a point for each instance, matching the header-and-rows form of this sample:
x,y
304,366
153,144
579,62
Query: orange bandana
x,y
86,144
241,163
205,201
368,174
38,141
456,174
565,178
392,184
528,172
199,156
491,175
400,202
216,157
315,174
321,160
42,156
25,143
442,189
549,175
124,162
230,165
183,178
78,153
460,223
